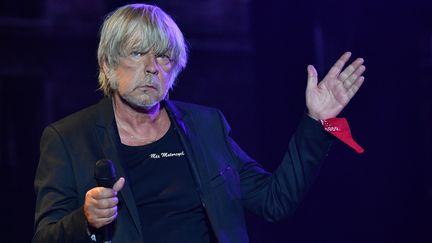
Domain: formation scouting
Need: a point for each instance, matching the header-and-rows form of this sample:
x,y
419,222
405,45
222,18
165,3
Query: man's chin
x,y
141,105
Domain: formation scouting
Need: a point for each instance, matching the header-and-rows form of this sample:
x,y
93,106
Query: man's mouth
x,y
147,87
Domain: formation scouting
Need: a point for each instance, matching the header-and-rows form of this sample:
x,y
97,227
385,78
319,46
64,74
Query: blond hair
x,y
138,27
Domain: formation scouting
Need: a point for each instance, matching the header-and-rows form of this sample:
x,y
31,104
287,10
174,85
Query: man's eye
x,y
136,54
163,59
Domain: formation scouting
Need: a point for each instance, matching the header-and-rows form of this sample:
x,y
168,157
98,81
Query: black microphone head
x,y
105,173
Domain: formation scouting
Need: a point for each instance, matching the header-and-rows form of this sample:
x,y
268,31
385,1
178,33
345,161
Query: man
x,y
181,177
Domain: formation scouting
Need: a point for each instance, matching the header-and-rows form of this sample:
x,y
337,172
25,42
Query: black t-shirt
x,y
165,193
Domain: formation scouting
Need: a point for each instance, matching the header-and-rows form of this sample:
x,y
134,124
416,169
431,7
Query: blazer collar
x,y
190,142
106,114
110,143
176,115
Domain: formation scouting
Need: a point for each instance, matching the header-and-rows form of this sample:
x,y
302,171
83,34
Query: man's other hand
x,y
327,98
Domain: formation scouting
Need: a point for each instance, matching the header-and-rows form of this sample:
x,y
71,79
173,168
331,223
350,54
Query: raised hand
x,y
327,98
100,206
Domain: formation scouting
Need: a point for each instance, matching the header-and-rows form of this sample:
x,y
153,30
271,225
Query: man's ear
x,y
105,69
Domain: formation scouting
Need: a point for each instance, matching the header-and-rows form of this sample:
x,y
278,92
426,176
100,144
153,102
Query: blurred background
x,y
248,58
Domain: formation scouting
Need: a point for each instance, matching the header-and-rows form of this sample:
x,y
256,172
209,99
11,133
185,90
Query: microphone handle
x,y
105,177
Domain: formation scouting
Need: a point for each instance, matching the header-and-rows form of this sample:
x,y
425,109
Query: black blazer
x,y
228,180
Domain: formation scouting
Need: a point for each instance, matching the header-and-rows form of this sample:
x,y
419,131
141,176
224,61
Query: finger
x,y
104,213
354,76
312,77
337,67
102,193
119,184
355,87
105,203
350,69
112,218
100,222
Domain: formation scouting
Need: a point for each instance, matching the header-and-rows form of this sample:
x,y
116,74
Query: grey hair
x,y
138,27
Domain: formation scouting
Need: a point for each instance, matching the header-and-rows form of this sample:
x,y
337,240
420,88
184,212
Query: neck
x,y
139,126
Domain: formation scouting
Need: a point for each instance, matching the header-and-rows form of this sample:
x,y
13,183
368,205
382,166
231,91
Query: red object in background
x,y
339,128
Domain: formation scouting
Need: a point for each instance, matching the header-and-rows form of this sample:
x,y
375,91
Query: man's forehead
x,y
146,47
145,40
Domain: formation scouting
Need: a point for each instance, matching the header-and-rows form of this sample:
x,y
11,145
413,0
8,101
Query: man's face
x,y
142,79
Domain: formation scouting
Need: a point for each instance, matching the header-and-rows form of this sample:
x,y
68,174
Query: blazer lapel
x,y
109,140
190,143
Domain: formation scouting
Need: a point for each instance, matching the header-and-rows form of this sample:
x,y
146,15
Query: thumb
x,y
312,77
119,184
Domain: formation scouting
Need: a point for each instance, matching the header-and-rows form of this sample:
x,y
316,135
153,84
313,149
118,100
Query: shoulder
x,y
193,108
205,116
85,118
197,112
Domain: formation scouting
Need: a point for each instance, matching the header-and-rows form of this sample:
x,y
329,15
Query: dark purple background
x,y
249,59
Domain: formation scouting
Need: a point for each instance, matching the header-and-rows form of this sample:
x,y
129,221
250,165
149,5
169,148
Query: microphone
x,y
105,177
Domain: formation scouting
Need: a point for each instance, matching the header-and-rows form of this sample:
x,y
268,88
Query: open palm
x,y
327,98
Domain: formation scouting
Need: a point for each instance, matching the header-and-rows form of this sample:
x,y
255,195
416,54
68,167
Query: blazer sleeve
x,y
58,217
276,195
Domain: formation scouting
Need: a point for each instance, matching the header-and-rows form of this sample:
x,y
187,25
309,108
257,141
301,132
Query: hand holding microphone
x,y
100,206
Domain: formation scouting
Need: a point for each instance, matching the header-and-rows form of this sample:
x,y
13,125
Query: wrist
x,y
91,232
313,116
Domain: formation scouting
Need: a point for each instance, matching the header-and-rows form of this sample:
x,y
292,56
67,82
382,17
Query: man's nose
x,y
151,65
